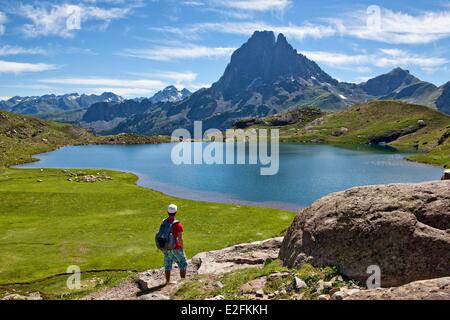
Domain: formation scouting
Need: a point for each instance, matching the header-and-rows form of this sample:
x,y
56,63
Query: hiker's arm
x,y
180,239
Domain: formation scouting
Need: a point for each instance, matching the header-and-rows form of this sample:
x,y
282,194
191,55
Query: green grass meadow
x,y
48,223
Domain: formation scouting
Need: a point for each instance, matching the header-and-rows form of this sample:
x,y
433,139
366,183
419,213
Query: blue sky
x,y
136,47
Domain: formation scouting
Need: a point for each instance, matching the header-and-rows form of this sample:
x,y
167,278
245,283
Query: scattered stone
x,y
83,177
219,285
254,285
260,293
45,140
277,275
446,175
31,296
39,180
339,295
339,132
154,296
421,123
324,297
219,297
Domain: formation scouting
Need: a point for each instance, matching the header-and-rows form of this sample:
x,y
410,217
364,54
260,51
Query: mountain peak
x,y
281,39
390,82
399,70
266,60
170,94
267,37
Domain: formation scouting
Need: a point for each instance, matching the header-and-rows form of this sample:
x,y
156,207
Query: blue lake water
x,y
306,172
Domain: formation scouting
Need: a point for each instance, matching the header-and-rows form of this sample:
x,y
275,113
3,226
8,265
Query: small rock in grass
x,y
324,297
260,293
299,283
154,296
219,297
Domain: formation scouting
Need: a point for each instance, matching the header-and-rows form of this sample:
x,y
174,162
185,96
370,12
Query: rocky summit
x,y
404,229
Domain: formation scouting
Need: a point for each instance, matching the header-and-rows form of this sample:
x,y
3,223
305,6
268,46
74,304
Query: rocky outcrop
x,y
149,285
435,289
237,257
402,228
393,135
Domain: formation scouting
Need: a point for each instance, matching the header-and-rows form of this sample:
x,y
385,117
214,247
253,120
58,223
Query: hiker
x,y
169,239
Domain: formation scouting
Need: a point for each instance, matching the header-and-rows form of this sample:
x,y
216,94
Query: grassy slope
x,y
47,226
23,136
366,121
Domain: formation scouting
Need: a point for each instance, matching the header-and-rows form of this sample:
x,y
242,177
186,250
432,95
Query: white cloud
x,y
384,58
395,27
21,67
254,5
298,32
93,81
146,85
124,87
246,5
170,53
175,76
3,20
8,50
52,20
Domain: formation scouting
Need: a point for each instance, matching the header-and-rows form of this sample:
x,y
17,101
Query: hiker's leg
x,y
182,263
168,262
167,276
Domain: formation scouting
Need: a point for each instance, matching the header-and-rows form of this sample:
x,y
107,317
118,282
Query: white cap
x,y
172,209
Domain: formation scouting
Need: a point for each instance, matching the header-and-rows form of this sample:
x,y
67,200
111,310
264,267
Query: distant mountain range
x,y
73,107
265,76
51,103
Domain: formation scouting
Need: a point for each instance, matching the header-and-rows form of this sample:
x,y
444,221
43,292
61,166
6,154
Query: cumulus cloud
x,y
23,67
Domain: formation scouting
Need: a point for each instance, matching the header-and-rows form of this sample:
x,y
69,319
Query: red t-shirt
x,y
177,229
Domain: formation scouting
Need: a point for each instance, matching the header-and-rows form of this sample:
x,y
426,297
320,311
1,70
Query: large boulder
x,y
402,228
